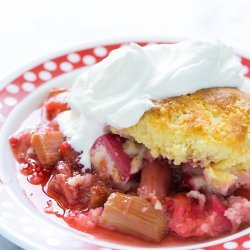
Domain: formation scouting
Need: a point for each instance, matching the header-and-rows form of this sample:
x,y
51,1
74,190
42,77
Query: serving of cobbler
x,y
182,169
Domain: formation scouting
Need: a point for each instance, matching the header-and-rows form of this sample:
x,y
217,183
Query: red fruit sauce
x,y
43,202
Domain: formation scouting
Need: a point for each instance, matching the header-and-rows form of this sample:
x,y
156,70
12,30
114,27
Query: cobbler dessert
x,y
152,141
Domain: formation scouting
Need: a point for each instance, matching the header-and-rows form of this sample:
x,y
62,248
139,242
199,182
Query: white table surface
x,y
30,29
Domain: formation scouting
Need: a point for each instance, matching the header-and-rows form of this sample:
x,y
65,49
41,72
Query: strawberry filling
x,y
189,218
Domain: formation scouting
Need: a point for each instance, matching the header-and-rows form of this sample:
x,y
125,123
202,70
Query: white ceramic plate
x,y
22,92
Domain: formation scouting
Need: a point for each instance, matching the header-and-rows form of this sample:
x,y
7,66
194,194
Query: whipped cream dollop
x,y
118,90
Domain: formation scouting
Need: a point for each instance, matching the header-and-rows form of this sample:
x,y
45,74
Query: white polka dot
x,y
74,57
2,118
10,101
6,204
66,66
44,75
1,105
51,66
29,230
12,88
53,242
28,86
29,76
245,70
25,220
7,215
230,245
246,244
100,51
88,60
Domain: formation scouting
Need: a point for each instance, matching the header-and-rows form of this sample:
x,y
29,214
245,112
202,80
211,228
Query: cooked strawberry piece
x,y
63,168
35,173
189,219
65,194
54,107
109,159
215,204
83,220
56,91
55,104
155,180
21,146
222,223
70,156
68,195
238,211
47,145
69,188
53,126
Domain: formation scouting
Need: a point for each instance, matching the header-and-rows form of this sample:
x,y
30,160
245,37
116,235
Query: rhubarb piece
x,y
155,180
20,145
133,215
110,160
46,146
98,196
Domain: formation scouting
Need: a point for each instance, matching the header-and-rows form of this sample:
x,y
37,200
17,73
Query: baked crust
x,y
209,127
